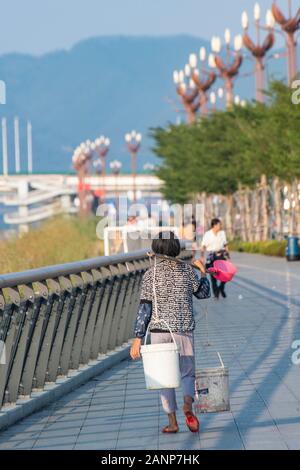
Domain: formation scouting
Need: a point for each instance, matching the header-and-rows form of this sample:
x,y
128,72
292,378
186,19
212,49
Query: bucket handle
x,y
220,359
173,338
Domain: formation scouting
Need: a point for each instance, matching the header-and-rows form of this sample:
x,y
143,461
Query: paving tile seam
x,y
124,400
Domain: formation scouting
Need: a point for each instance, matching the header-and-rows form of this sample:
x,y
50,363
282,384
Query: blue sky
x,y
39,26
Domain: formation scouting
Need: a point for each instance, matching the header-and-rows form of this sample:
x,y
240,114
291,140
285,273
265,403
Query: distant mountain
x,y
106,85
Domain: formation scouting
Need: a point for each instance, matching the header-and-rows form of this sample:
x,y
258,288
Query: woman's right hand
x,y
135,350
199,265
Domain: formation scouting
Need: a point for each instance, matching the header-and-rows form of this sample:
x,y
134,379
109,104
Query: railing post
x,y
89,292
116,287
105,294
123,277
48,333
54,369
75,308
9,329
91,322
24,319
125,312
37,322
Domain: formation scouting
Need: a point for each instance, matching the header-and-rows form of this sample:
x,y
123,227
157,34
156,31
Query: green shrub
x,y
269,247
62,239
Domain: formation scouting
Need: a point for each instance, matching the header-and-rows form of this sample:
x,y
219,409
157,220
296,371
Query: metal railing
x,y
55,319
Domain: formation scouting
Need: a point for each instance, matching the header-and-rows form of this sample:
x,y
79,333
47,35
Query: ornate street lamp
x,y
133,141
81,160
213,101
115,167
237,100
259,50
101,145
218,94
202,78
188,94
97,164
289,27
228,70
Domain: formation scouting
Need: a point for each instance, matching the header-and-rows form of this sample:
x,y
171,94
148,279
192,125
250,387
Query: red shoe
x,y
191,421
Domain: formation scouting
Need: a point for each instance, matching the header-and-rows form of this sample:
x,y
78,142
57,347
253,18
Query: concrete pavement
x,y
253,329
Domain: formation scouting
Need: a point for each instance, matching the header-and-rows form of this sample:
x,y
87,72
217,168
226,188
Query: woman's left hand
x,y
135,350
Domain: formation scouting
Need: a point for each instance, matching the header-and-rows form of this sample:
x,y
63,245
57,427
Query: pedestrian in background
x,y
214,243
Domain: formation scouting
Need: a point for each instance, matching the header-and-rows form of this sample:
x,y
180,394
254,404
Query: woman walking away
x,y
215,243
174,285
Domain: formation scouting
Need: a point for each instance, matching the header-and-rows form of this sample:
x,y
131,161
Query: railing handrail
x,y
65,269
75,314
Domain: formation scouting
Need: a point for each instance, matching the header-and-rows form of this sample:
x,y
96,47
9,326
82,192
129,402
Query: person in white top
x,y
214,242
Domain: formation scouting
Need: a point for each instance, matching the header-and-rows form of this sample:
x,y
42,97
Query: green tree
x,y
232,147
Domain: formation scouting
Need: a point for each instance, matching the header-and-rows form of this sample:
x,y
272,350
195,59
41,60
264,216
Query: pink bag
x,y
223,270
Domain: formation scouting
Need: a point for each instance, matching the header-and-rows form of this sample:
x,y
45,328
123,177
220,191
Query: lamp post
x,y
260,49
115,167
218,94
101,146
202,78
289,27
133,140
237,100
188,94
4,146
81,160
29,147
213,101
229,69
221,93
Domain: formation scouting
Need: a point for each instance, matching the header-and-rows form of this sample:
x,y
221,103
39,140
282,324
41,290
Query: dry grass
x,y
60,240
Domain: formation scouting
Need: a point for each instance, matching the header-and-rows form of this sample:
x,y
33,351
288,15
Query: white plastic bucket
x,y
212,389
161,364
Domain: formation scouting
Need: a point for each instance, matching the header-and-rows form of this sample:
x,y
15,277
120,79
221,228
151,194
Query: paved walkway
x,y
253,329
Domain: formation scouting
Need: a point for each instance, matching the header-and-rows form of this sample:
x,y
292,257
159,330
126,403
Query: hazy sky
x,y
38,26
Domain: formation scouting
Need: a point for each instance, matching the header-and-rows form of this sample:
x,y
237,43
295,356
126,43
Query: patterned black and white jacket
x,y
175,285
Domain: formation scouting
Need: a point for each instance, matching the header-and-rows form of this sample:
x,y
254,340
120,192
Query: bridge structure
x,y
68,382
35,197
